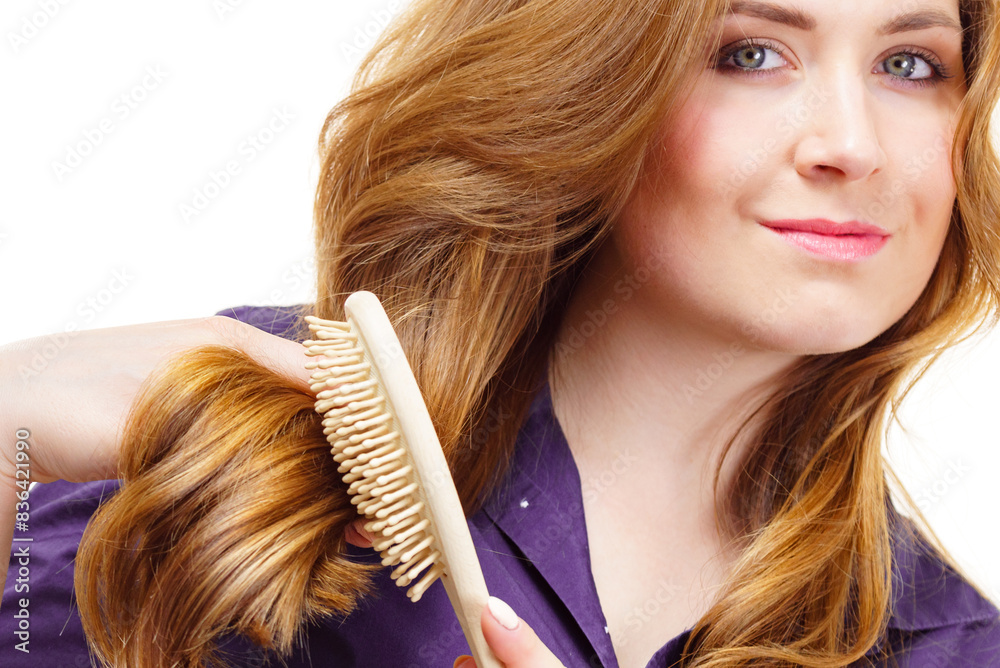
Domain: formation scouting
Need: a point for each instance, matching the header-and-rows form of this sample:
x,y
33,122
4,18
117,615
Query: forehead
x,y
888,16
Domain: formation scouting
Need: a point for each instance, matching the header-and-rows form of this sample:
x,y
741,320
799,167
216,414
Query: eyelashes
x,y
743,47
759,51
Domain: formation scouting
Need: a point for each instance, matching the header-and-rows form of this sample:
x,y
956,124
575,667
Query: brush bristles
x,y
372,454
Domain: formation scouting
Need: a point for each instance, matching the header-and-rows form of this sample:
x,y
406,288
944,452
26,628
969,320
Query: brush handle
x,y
463,576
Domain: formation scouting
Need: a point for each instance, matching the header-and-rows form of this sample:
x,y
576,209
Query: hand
x,y
73,398
517,647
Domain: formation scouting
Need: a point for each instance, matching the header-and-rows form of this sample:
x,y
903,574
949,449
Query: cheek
x,y
684,218
689,176
713,151
939,184
916,199
927,181
723,154
690,207
670,214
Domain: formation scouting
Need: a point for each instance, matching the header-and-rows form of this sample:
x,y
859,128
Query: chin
x,y
811,339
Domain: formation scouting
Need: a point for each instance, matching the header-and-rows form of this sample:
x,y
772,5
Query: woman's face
x,y
812,111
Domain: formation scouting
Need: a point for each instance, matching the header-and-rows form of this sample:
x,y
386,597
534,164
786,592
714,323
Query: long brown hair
x,y
482,155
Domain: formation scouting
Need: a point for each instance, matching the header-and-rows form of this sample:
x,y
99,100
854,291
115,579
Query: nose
x,y
840,139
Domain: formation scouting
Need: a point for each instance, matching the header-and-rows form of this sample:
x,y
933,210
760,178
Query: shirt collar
x,y
927,593
540,508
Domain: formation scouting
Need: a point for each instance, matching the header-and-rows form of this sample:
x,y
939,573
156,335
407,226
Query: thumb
x,y
512,640
356,534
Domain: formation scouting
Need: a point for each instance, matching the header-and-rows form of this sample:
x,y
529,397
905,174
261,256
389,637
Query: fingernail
x,y
460,660
502,613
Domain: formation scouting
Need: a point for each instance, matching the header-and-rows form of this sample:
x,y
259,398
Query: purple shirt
x,y
532,543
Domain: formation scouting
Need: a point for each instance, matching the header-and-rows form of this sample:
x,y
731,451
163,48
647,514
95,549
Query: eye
x,y
915,67
912,66
750,57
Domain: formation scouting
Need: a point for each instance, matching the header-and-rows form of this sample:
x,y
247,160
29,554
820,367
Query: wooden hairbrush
x,y
389,454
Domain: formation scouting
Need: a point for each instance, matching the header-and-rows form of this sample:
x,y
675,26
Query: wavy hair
x,y
482,155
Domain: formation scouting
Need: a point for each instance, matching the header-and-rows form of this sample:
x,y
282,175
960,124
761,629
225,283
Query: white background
x,y
106,244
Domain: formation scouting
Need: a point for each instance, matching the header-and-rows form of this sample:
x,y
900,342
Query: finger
x,y
281,355
355,534
512,640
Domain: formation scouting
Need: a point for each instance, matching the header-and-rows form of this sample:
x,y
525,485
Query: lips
x,y
826,227
850,241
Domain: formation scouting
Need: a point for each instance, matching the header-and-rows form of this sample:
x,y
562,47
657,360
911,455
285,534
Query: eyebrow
x,y
796,18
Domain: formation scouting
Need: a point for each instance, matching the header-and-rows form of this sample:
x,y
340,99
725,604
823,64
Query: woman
x,y
698,247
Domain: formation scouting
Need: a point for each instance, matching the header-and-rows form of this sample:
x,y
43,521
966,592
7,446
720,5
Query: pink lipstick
x,y
849,241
